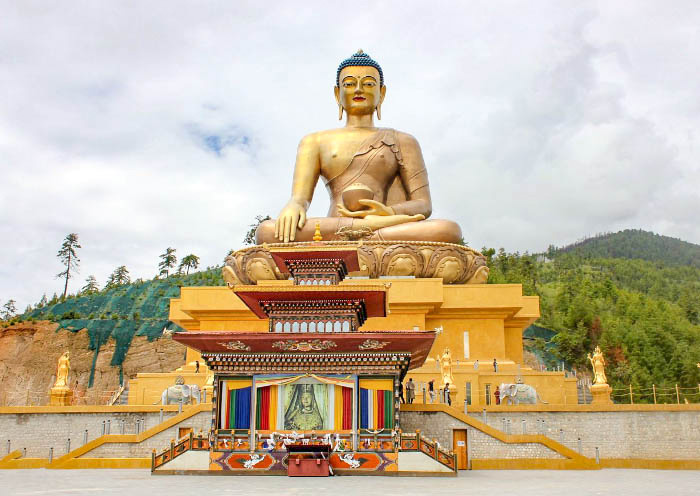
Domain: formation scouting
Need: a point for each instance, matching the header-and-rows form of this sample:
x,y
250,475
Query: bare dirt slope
x,y
29,354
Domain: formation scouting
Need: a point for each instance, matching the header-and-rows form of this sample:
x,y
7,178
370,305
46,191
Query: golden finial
x,y
360,52
317,233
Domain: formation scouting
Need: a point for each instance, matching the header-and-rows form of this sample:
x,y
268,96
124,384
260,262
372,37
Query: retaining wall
x,y
40,428
663,432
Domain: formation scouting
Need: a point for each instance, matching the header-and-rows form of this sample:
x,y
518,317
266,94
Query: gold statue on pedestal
x,y
598,364
61,394
376,177
600,390
380,197
63,370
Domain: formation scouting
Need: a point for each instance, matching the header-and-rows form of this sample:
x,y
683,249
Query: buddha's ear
x,y
336,90
382,94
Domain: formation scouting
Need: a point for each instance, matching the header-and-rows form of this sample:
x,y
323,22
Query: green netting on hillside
x,y
534,331
137,309
544,354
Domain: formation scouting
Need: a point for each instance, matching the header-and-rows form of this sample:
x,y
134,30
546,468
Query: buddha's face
x,y
359,92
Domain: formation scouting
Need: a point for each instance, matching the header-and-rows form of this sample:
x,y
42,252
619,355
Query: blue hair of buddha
x,y
359,58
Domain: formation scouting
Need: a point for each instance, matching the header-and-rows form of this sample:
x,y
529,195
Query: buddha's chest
x,y
338,151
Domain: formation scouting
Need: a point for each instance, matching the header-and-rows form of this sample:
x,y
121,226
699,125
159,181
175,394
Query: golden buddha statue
x,y
376,177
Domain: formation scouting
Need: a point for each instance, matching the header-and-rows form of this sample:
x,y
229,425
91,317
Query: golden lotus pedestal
x,y
454,264
601,394
60,396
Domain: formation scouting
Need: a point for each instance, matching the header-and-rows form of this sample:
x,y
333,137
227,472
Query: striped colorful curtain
x,y
342,409
376,404
235,404
266,413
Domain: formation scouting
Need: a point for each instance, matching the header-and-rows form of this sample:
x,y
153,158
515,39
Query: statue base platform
x,y
601,394
454,264
60,396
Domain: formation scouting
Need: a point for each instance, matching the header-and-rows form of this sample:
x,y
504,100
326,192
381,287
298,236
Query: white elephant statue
x,y
181,392
519,393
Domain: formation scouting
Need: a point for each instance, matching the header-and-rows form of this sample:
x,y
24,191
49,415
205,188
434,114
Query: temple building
x,y
312,386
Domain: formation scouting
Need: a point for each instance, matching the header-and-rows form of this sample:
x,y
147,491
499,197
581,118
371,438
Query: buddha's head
x,y
359,85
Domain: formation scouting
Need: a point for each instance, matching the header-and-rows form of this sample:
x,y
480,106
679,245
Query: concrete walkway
x,y
487,482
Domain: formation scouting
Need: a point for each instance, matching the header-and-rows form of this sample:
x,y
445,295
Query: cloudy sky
x,y
143,125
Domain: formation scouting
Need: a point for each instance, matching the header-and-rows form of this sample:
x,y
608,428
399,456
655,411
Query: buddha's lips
x,y
359,98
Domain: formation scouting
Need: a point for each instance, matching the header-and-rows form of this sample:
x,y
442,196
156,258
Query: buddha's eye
x,y
369,83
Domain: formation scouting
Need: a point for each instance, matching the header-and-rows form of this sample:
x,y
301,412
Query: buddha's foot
x,y
454,264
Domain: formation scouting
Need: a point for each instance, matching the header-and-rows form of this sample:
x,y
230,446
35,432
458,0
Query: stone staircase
x,y
584,394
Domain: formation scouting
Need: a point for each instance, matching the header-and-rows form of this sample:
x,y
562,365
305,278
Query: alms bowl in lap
x,y
454,264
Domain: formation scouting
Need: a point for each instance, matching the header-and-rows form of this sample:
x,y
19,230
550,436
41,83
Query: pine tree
x,y
249,238
168,261
42,302
188,262
68,257
91,286
119,277
9,310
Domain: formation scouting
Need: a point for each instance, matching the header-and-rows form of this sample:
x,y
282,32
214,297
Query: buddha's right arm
x,y
306,172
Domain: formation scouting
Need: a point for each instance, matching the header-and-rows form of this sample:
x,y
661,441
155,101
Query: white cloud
x,y
147,125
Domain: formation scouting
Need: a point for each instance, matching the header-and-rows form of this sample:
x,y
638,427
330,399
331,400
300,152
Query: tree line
x,y
68,257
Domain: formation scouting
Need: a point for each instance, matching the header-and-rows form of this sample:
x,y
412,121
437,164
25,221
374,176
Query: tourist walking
x,y
431,390
448,400
495,365
196,366
497,394
410,390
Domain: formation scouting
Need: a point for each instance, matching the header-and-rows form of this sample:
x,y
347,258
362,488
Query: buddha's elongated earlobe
x,y
340,112
379,112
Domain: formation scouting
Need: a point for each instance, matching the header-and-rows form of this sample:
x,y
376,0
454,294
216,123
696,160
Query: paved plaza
x,y
486,482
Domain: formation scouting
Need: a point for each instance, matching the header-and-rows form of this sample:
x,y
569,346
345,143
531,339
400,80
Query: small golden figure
x,y
61,394
63,370
317,233
445,362
598,363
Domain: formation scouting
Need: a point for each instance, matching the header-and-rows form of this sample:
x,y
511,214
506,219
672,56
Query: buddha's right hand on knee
x,y
292,216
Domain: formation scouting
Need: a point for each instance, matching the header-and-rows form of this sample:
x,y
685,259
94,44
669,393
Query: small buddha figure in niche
x,y
375,177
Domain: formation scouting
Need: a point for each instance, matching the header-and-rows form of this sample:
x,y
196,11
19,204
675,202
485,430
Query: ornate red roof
x,y
417,343
349,256
373,296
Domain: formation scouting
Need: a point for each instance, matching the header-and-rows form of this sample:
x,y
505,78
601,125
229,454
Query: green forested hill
x,y
635,244
644,315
